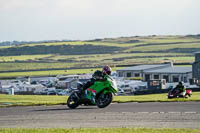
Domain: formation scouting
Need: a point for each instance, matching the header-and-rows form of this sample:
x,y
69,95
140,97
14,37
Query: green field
x,y
97,53
44,73
51,72
29,100
99,130
22,58
89,60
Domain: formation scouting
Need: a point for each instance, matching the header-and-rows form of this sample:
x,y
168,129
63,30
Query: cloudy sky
x,y
34,20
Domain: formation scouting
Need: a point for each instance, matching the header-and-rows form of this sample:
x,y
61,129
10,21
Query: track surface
x,y
156,115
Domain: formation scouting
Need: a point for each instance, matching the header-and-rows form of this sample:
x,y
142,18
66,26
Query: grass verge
x,y
31,100
99,130
155,98
51,72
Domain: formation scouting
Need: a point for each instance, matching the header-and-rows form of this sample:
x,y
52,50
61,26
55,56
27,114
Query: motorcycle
x,y
175,93
99,94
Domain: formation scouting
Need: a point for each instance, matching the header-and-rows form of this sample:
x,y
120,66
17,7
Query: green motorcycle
x,y
100,94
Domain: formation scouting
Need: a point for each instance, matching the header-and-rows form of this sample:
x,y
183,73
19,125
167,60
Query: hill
x,y
95,53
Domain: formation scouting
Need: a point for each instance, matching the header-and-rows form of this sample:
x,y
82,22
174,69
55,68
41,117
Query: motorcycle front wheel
x,y
104,100
73,101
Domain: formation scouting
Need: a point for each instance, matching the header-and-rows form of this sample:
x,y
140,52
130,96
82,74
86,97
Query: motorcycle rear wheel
x,y
73,101
104,100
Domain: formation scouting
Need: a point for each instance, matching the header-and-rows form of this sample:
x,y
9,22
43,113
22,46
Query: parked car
x,y
44,92
120,92
51,92
64,92
58,91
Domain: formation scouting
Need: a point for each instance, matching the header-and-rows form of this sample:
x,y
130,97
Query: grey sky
x,y
33,20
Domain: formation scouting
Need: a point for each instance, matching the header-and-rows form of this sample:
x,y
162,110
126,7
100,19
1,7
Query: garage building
x,y
156,72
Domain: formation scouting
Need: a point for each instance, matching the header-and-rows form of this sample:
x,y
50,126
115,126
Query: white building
x,y
161,71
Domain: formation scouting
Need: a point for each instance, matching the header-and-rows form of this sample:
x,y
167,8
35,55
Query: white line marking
x,y
143,112
174,112
190,112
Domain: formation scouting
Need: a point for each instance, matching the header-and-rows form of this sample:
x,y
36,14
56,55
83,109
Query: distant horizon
x,y
95,38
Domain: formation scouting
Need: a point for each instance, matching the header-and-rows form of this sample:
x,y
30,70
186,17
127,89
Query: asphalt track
x,y
150,115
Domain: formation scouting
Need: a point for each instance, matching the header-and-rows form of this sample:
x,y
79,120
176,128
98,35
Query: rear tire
x,y
104,100
73,101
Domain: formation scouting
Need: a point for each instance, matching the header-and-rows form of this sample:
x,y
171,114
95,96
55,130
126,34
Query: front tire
x,y
104,100
73,101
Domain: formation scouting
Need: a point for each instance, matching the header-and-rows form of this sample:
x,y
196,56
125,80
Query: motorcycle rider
x,y
98,76
180,88
98,90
